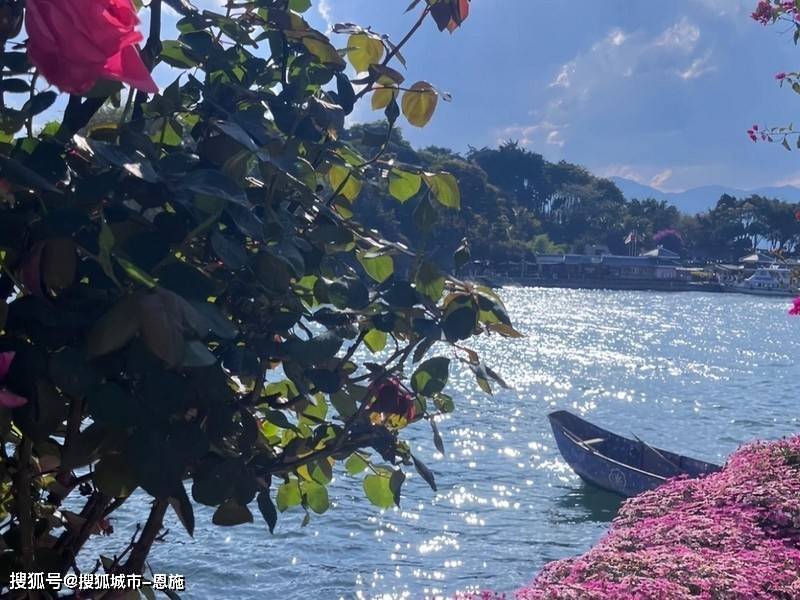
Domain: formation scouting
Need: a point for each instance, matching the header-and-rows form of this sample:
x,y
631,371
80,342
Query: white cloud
x,y
625,172
617,38
728,8
562,79
682,34
699,67
644,175
661,178
613,64
530,135
326,12
554,138
621,54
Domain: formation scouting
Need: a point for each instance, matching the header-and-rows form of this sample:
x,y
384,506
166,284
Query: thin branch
x,y
135,563
394,51
25,503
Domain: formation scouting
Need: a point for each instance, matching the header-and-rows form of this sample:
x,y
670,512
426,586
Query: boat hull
x,y
615,463
761,292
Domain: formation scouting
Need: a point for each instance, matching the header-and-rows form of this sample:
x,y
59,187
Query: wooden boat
x,y
615,463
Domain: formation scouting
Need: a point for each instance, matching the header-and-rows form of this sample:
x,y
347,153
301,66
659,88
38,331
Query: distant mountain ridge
x,y
701,199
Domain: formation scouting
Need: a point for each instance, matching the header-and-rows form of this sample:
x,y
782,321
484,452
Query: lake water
x,y
696,373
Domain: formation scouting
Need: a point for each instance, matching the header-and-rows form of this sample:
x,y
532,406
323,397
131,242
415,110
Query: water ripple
x,y
694,372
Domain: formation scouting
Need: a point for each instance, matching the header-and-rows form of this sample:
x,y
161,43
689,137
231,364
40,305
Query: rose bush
x,y
188,307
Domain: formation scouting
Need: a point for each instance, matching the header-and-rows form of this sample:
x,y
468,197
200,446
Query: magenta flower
x,y
764,12
733,534
795,310
8,399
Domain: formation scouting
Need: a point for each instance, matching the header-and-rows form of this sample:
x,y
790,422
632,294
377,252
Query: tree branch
x,y
394,51
135,563
25,503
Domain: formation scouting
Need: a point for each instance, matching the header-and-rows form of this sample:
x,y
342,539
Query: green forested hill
x,y
515,204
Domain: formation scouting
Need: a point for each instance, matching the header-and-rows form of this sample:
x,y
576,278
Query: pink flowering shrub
x,y
734,534
782,12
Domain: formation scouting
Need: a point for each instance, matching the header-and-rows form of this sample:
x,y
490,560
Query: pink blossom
x,y
8,399
733,534
764,12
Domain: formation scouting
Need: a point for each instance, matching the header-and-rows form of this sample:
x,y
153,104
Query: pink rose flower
x,y
75,43
8,399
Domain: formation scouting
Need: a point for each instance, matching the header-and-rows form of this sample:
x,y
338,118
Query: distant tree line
x,y
516,204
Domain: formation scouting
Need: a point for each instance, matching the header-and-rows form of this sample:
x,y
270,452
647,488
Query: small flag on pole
x,y
632,238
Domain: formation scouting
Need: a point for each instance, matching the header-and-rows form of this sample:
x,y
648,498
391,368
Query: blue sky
x,y
659,92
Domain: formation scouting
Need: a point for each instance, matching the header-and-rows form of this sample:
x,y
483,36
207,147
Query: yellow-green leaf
x,y
419,103
445,188
379,268
326,53
364,50
342,179
316,496
381,97
378,489
356,464
288,495
376,340
403,185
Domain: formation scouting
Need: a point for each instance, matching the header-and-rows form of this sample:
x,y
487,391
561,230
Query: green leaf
x,y
364,50
460,319
431,376
382,97
196,355
114,329
316,496
174,54
419,103
445,189
379,268
299,6
378,489
424,214
212,483
114,476
182,506
356,464
267,508
430,281
437,437
108,403
209,182
343,180
396,483
324,51
424,472
444,403
288,496
135,273
403,185
375,340
231,514
39,103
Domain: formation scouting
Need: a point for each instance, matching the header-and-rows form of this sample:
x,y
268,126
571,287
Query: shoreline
x,y
636,285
